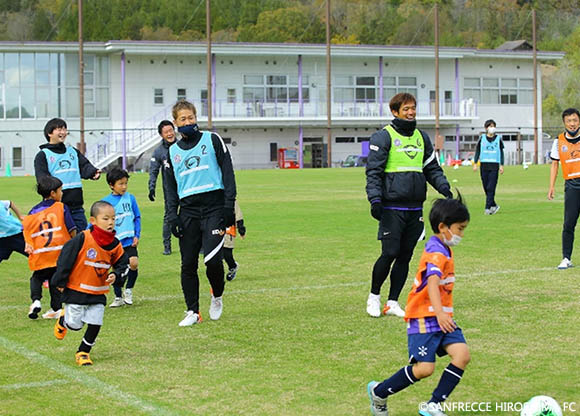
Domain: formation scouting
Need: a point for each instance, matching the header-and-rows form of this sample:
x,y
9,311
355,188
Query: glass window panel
x,y
42,102
343,80
365,80
12,103
1,111
490,82
11,70
89,95
102,71
276,80
389,81
472,93
17,159
388,93
294,80
253,94
89,62
54,58
344,95
89,78
409,90
526,83
42,78
102,109
71,70
490,97
1,77
26,69
526,97
509,83
412,81
72,102
42,61
90,110
276,94
253,79
472,82
27,102
513,98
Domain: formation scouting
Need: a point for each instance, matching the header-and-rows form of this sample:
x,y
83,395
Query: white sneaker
x,y
128,297
564,264
215,308
487,211
378,404
374,305
51,314
430,409
231,275
190,319
392,308
34,309
117,303
494,209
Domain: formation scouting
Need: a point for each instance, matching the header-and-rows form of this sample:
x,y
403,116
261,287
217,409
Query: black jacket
x,y
160,162
73,198
208,203
401,189
66,261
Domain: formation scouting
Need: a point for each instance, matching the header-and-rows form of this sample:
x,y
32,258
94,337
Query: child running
x,y
431,329
11,238
83,276
47,227
128,231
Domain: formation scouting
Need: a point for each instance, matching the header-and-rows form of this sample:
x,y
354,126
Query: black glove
x,y
152,195
447,193
241,227
229,217
177,228
377,210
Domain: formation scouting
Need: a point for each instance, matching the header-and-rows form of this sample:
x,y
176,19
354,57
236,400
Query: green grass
x,y
294,338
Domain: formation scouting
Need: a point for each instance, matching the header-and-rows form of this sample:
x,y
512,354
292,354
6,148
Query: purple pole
x,y
457,139
381,86
456,112
300,113
123,110
213,83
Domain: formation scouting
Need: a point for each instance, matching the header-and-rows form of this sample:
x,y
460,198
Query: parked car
x,y
352,161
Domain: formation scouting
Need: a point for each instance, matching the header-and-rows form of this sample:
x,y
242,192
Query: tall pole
x,y
437,142
81,82
535,87
124,110
328,86
209,63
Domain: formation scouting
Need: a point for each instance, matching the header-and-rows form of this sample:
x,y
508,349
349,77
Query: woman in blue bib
x,y
489,152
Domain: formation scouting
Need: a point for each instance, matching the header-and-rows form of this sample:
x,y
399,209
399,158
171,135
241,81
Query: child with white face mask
x,y
489,152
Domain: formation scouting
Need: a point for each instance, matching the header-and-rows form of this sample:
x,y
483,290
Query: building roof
x,y
515,45
274,49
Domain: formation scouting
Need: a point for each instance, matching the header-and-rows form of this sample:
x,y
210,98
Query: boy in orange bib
x,y
47,227
83,275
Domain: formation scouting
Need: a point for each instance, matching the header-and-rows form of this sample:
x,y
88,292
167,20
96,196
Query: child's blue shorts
x,y
423,347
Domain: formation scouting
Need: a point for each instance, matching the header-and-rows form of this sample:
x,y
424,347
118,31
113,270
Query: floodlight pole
x,y
328,87
82,145
437,142
535,87
209,63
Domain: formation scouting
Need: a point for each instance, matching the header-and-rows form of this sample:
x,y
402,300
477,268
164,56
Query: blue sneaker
x,y
378,404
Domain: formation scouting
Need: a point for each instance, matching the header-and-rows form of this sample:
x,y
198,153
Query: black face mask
x,y
573,133
405,127
188,131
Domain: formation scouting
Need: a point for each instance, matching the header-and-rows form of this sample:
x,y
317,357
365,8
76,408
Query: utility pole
x,y
82,145
328,87
535,87
209,67
438,145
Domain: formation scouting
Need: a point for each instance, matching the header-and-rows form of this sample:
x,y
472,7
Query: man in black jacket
x,y
400,163
203,188
160,161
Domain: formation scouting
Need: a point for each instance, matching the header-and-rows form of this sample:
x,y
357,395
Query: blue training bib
x,y
64,166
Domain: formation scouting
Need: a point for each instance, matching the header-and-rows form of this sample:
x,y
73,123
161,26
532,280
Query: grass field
x,y
294,338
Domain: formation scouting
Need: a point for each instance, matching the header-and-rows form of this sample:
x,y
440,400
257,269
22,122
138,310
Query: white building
x,y
257,107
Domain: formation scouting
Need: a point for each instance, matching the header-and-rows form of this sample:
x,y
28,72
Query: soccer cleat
x,y
128,298
117,303
564,264
215,308
83,358
392,308
374,305
34,309
190,319
59,330
487,211
232,273
378,404
430,409
494,209
51,314
167,252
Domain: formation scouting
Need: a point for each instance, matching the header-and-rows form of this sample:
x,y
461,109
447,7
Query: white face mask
x,y
491,130
455,239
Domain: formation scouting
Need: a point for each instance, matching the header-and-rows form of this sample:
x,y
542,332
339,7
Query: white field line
x,y
317,287
33,385
78,376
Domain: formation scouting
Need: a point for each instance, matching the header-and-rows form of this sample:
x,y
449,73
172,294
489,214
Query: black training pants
x,y
489,181
571,211
37,279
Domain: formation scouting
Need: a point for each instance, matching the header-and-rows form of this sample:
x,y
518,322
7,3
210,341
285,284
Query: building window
x,y
397,84
344,139
17,158
273,152
1,158
499,90
231,95
158,96
181,94
274,88
362,139
227,140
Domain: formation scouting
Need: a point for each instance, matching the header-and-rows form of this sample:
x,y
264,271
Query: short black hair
x,y
115,174
47,184
489,122
448,211
569,112
55,123
97,206
163,124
